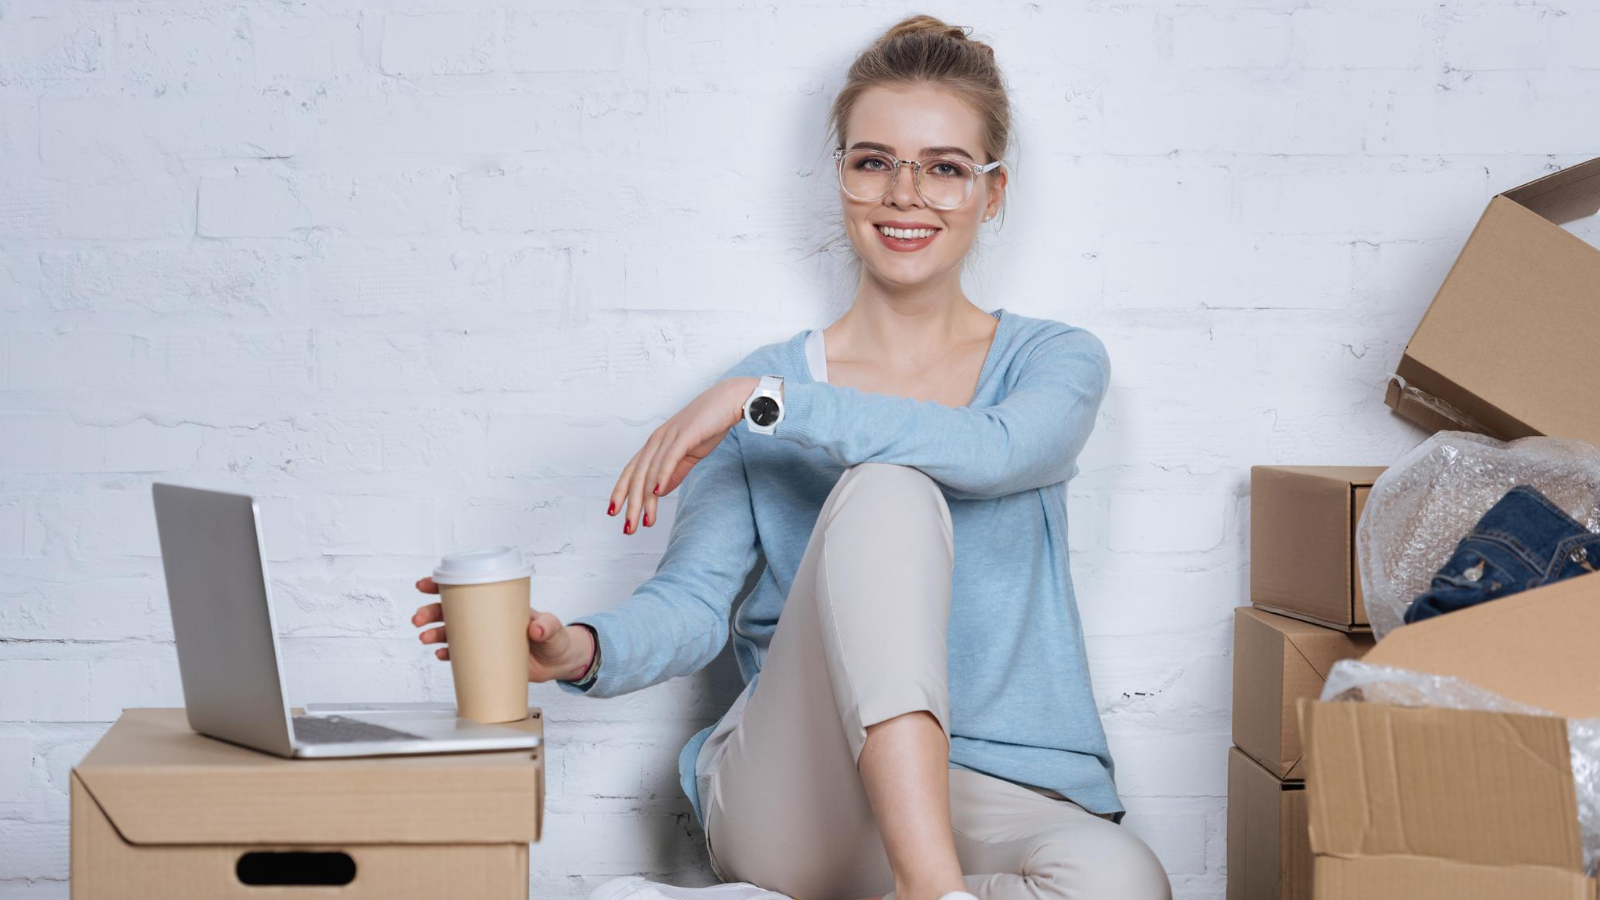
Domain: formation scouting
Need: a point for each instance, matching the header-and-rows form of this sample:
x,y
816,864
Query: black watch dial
x,y
763,411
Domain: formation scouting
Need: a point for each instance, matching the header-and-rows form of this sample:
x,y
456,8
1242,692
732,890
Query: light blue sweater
x,y
1021,706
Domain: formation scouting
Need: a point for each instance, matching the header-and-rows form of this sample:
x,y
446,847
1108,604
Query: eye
x,y
945,168
872,163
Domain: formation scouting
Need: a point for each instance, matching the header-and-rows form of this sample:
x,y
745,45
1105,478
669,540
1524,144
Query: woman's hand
x,y
674,448
554,650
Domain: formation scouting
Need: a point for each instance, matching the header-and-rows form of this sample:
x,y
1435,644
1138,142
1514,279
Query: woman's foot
x,y
634,887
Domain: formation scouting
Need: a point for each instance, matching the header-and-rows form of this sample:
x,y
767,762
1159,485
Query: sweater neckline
x,y
798,361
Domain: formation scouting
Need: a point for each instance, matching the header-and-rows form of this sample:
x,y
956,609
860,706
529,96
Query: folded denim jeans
x,y
1524,541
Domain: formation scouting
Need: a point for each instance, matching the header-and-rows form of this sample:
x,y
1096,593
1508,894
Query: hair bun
x,y
925,24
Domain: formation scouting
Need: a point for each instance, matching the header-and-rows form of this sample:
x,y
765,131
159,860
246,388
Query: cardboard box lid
x,y
1276,661
1302,539
1524,280
161,783
1536,647
1476,787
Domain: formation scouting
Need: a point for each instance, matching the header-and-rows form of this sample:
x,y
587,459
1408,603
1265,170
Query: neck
x,y
907,328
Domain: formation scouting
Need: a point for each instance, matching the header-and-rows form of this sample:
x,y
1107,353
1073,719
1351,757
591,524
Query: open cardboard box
x,y
159,811
1303,542
1526,289
1424,803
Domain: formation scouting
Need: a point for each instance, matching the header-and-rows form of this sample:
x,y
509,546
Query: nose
x,y
904,191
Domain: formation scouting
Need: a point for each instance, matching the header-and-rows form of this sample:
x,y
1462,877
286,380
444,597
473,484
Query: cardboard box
x,y
1302,541
1276,661
159,811
1269,851
1525,284
1433,803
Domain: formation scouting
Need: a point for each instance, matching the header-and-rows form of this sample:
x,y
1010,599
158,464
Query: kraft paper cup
x,y
486,596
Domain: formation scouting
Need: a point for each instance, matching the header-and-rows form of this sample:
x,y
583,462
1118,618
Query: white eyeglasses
x,y
942,182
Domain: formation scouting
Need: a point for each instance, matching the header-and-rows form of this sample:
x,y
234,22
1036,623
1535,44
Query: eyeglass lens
x,y
869,174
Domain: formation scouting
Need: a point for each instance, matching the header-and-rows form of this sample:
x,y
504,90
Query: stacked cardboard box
x,y
1307,615
159,811
1435,803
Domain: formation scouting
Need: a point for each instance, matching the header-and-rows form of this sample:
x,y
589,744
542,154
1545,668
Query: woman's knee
x,y
899,499
1107,861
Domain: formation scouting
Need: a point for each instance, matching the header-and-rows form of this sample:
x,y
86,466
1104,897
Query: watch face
x,y
763,411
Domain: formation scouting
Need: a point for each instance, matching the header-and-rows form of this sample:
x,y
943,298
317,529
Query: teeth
x,y
906,233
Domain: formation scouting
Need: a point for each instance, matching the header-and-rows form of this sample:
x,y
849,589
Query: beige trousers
x,y
861,640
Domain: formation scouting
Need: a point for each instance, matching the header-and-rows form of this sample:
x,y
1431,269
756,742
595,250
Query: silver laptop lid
x,y
222,616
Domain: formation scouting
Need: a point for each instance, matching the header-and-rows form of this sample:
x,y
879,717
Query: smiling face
x,y
907,121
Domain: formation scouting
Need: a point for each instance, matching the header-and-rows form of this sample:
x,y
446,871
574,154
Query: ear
x,y
998,180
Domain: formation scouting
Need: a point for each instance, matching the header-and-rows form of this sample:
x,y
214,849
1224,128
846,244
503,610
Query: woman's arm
x,y
676,622
1028,440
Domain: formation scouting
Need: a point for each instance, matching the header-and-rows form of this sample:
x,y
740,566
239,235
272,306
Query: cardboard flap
x,y
1478,787
1536,647
1572,193
161,783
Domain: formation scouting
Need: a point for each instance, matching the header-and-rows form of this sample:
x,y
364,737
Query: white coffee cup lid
x,y
482,566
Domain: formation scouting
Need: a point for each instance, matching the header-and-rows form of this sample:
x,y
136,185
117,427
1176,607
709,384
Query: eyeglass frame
x,y
916,175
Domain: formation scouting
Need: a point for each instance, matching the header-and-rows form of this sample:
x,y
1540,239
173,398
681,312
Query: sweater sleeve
x,y
1030,439
676,622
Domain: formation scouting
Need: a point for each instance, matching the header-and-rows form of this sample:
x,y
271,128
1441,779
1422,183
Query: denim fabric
x,y
1524,541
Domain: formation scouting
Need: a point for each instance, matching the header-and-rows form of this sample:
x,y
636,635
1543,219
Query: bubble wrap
x,y
1353,680
1424,504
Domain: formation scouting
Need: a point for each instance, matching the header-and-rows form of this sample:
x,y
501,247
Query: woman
x,y
917,721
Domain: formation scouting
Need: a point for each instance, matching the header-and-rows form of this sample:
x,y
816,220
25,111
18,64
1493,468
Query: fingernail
x,y
647,518
656,489
612,509
624,526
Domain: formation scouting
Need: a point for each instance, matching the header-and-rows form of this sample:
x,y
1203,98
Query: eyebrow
x,y
926,151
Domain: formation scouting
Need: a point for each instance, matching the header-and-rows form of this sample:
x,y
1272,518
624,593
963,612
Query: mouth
x,y
906,240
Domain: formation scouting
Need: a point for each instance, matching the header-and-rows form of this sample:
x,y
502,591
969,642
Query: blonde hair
x,y
924,50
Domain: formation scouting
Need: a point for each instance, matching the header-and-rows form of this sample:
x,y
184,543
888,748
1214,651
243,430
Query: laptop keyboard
x,y
342,730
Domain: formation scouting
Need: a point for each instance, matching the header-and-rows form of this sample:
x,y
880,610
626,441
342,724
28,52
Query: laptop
x,y
228,657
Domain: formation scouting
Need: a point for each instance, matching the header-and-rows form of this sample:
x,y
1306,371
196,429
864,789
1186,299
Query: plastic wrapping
x,y
1421,507
1351,679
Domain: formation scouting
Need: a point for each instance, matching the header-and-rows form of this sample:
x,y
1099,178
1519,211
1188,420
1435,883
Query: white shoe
x,y
634,887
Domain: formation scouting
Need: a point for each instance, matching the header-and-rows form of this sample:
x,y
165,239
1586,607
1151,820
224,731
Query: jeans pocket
x,y
1477,572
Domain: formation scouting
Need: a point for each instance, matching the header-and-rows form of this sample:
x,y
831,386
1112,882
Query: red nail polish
x,y
612,509
656,489
647,518
624,526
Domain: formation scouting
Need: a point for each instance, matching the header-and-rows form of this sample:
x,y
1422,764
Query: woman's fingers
x,y
427,614
543,625
619,492
638,488
660,475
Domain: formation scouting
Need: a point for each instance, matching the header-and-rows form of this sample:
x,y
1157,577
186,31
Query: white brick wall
x,y
424,276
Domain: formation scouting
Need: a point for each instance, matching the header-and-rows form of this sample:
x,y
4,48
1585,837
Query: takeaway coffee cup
x,y
486,600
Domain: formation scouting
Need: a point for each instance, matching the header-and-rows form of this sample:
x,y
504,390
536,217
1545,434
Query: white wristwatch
x,y
764,408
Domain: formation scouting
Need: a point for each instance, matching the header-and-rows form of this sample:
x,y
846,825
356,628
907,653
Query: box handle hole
x,y
295,868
